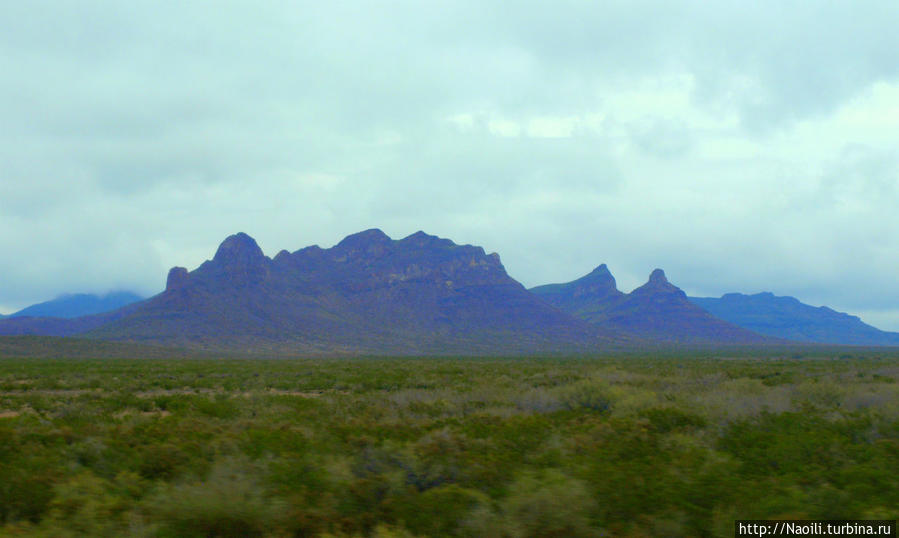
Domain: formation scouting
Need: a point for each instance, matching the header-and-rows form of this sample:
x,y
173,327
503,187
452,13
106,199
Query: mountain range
x,y
367,294
371,294
788,318
78,304
657,310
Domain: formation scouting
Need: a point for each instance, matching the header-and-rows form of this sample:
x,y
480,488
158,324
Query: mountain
x,y
657,310
80,304
27,325
787,317
368,294
587,297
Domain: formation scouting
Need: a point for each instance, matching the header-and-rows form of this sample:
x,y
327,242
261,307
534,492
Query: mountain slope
x,y
656,310
82,348
587,297
787,317
27,325
367,294
79,304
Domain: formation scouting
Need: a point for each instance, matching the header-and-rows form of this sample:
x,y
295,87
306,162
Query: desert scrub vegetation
x,y
606,446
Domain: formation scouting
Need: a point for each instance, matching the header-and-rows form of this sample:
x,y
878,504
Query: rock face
x,y
239,261
367,294
177,278
586,297
656,310
787,317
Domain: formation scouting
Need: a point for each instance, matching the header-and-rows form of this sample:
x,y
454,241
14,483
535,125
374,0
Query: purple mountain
x,y
78,305
368,294
787,317
656,310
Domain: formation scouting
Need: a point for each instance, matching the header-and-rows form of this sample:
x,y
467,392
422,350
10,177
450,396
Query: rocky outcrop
x,y
177,279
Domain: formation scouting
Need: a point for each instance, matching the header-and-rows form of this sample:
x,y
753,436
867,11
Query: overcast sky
x,y
741,146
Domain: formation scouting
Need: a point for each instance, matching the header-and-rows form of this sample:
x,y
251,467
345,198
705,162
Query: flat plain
x,y
628,445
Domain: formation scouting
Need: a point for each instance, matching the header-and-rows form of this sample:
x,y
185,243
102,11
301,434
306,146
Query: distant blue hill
x,y
77,305
787,317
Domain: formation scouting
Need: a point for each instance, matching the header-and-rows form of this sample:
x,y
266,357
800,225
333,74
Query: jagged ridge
x,y
657,310
367,294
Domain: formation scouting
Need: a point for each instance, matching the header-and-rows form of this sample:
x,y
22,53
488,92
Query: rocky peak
x,y
658,285
369,244
282,256
239,249
178,277
658,277
601,275
598,282
364,240
238,260
421,240
419,236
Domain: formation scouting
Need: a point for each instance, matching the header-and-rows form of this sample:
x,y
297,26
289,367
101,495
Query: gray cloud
x,y
740,146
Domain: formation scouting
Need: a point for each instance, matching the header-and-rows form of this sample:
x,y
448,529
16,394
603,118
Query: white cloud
x,y
502,127
551,127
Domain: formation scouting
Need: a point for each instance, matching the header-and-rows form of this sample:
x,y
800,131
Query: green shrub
x,y
439,511
543,504
587,395
161,461
229,502
668,419
219,407
87,505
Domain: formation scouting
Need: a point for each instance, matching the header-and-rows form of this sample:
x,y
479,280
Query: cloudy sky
x,y
741,146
